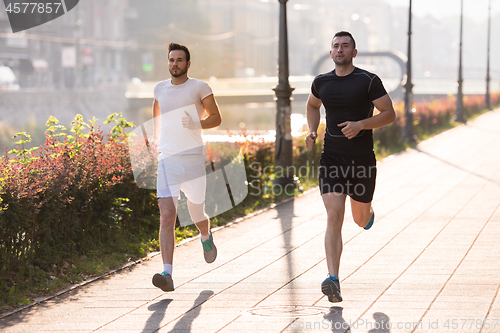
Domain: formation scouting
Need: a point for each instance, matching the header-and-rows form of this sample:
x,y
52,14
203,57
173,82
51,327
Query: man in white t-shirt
x,y
179,117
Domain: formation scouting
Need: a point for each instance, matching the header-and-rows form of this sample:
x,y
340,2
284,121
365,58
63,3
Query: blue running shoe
x,y
370,223
331,288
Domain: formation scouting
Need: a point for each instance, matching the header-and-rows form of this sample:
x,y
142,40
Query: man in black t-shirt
x,y
348,166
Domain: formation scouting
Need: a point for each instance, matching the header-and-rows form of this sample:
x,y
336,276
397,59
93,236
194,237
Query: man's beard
x,y
343,61
180,72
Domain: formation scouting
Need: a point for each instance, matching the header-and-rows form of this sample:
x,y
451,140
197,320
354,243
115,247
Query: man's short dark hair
x,y
175,46
345,33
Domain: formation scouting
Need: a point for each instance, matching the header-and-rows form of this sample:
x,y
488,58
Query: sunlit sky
x,y
474,9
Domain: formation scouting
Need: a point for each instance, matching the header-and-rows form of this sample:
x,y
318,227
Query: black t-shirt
x,y
347,98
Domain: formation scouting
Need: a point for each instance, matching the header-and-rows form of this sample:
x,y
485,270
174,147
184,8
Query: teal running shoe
x,y
163,281
209,249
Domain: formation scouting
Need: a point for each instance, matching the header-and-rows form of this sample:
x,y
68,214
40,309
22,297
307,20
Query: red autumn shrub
x,y
65,197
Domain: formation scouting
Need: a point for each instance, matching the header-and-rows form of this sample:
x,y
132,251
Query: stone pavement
x,y
431,262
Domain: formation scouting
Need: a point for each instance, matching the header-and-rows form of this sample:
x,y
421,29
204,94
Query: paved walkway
x,y
431,263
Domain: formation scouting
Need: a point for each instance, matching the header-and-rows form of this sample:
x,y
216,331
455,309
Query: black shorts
x,y
351,175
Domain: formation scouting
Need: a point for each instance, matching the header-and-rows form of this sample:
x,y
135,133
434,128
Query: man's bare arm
x,y
157,124
386,116
214,117
313,118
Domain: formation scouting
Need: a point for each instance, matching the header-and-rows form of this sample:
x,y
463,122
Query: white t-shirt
x,y
174,101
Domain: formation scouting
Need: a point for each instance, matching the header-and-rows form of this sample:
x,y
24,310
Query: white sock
x,y
167,268
204,238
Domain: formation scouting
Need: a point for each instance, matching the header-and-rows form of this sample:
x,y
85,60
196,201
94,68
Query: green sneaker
x,y
209,249
163,281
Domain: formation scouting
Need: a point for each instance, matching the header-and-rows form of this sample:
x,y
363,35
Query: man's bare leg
x,y
202,222
361,212
168,214
335,208
199,217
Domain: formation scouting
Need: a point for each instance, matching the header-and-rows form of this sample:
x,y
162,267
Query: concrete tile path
x,y
431,263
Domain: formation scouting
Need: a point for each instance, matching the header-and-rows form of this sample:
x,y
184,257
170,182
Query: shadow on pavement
x,y
184,324
338,324
158,308
382,323
17,318
335,320
286,215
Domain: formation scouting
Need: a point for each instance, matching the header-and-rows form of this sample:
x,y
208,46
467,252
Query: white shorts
x,y
182,172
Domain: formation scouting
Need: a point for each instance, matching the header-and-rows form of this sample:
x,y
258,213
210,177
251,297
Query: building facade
x,y
84,48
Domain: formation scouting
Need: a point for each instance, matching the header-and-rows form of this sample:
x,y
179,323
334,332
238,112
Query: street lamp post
x,y
77,70
487,96
283,148
408,86
459,114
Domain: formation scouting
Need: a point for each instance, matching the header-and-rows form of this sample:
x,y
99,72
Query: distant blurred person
x,y
348,165
179,116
